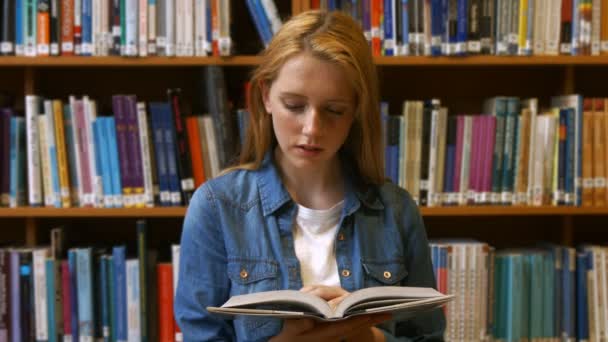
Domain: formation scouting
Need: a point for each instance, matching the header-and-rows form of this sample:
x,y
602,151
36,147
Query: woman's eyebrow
x,y
333,101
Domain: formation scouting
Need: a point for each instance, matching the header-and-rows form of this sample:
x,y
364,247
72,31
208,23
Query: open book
x,y
403,302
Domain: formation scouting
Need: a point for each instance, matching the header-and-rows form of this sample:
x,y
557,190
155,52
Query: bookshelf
x,y
461,82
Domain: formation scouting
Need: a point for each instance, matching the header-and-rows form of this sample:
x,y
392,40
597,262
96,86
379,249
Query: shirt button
x,y
345,273
387,274
244,274
341,236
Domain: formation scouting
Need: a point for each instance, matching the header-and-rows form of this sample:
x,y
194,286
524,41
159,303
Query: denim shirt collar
x,y
274,195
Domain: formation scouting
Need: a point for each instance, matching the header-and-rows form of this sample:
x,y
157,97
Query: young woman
x,y
308,208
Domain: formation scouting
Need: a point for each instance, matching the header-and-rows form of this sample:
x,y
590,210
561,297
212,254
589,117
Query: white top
x,y
314,235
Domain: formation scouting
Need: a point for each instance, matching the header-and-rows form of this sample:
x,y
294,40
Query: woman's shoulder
x,y
237,186
391,193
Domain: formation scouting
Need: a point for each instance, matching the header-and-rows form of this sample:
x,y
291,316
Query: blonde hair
x,y
332,37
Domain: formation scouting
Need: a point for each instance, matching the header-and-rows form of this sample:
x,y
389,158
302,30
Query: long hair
x,y
332,37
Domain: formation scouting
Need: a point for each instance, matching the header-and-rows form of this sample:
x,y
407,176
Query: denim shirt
x,y
237,239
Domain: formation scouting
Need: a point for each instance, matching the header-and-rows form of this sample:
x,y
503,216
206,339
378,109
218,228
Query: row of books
x,y
124,28
56,294
461,27
515,153
545,293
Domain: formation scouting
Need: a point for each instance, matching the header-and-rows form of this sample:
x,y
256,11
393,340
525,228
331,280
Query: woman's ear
x,y
265,90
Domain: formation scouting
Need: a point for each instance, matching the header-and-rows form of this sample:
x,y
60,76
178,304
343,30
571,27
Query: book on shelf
x,y
402,302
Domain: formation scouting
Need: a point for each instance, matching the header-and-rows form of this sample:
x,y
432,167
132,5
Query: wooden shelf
x,y
178,212
92,212
472,61
114,61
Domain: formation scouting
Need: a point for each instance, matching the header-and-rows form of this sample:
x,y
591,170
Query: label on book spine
x,y
67,47
565,48
506,197
588,183
54,49
6,47
604,45
188,184
600,182
474,46
424,184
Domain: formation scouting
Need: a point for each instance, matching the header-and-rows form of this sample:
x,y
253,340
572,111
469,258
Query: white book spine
x,y
106,35
189,28
34,180
532,104
90,114
45,161
143,28
466,159
595,29
96,23
275,20
211,143
170,27
39,258
224,38
145,154
152,27
131,37
540,24
200,27
539,155
76,142
133,301
78,25
175,250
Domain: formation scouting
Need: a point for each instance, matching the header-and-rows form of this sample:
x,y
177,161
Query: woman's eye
x,y
335,111
294,107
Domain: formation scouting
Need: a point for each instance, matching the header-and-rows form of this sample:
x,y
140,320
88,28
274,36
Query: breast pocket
x,y
249,276
383,273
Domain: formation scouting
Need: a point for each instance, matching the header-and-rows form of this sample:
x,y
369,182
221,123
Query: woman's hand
x,y
359,328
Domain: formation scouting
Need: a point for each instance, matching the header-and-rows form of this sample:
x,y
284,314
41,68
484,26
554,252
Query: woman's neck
x,y
318,188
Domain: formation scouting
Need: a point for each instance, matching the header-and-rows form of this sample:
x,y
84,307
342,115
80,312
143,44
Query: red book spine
x,y
166,328
67,304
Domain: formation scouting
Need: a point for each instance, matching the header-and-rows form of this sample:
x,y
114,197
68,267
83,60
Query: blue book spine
x,y
72,265
85,293
437,26
367,21
332,5
575,43
71,150
17,160
109,261
51,300
159,149
256,21
110,126
54,163
170,148
405,28
566,310
435,259
209,29
389,28
103,160
461,28
264,21
87,28
582,319
509,153
120,291
103,286
19,41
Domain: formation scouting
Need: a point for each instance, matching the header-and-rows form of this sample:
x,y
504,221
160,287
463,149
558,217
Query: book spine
x,y
166,330
40,294
152,25
170,153
27,299
115,164
123,150
66,301
4,294
156,112
120,290
67,27
47,187
5,154
196,154
103,161
52,148
62,162
142,279
43,26
142,31
7,40
134,150
132,300
85,294
142,120
34,180
183,149
17,162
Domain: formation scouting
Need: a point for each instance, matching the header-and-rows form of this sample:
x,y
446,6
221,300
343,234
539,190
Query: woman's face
x,y
312,105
